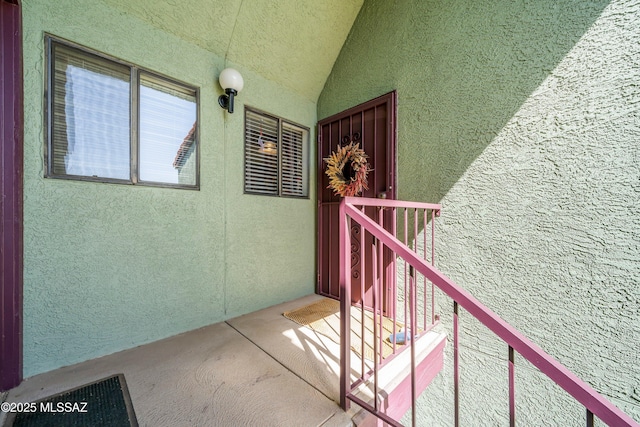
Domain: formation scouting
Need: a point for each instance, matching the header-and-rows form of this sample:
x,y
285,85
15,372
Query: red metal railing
x,y
409,307
594,403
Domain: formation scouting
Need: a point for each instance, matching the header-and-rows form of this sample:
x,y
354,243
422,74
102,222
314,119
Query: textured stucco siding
x,y
292,43
108,266
523,120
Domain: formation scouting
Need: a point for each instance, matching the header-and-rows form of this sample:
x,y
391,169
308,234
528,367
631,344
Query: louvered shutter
x,y
293,161
261,154
275,156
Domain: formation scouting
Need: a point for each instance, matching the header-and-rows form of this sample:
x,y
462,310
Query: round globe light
x,y
231,79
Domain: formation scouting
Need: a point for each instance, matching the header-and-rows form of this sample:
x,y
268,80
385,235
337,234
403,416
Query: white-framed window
x,y
111,121
276,156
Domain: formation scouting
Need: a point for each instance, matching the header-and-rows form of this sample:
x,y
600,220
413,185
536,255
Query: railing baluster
x,y
415,244
363,284
381,282
411,336
406,232
433,263
375,262
456,372
394,309
424,279
589,418
512,388
415,230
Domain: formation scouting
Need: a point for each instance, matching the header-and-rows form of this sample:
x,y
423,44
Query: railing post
x,y
345,307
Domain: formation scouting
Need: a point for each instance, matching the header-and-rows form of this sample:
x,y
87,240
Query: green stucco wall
x,y
523,119
109,267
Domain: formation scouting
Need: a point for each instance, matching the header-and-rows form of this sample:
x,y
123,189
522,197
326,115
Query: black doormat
x,y
104,403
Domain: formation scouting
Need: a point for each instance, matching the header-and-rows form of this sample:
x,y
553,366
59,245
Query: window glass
x,y
111,121
167,133
91,114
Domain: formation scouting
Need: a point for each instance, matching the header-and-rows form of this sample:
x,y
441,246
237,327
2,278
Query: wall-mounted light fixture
x,y
232,83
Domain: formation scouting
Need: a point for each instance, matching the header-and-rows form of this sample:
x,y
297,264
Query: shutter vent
x,y
261,154
292,161
275,156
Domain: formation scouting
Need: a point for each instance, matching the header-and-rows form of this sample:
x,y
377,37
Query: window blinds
x,y
292,161
110,121
90,115
275,156
261,154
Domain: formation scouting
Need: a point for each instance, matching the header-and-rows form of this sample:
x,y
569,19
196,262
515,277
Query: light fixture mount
x,y
232,83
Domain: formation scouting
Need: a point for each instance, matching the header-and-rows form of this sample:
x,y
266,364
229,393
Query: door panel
x,y
373,125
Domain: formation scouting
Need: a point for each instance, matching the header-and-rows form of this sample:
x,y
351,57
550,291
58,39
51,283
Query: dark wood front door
x,y
373,125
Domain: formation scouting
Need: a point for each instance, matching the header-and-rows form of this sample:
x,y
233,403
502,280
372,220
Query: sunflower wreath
x,y
347,170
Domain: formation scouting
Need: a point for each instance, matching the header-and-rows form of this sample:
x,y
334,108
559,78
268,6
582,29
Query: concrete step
x,y
394,379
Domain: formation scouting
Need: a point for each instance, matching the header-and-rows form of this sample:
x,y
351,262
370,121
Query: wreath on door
x,y
347,169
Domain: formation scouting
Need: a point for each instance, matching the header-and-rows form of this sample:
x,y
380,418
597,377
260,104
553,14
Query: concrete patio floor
x,y
259,369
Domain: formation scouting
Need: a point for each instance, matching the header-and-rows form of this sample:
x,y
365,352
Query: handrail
x,y
390,203
595,403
